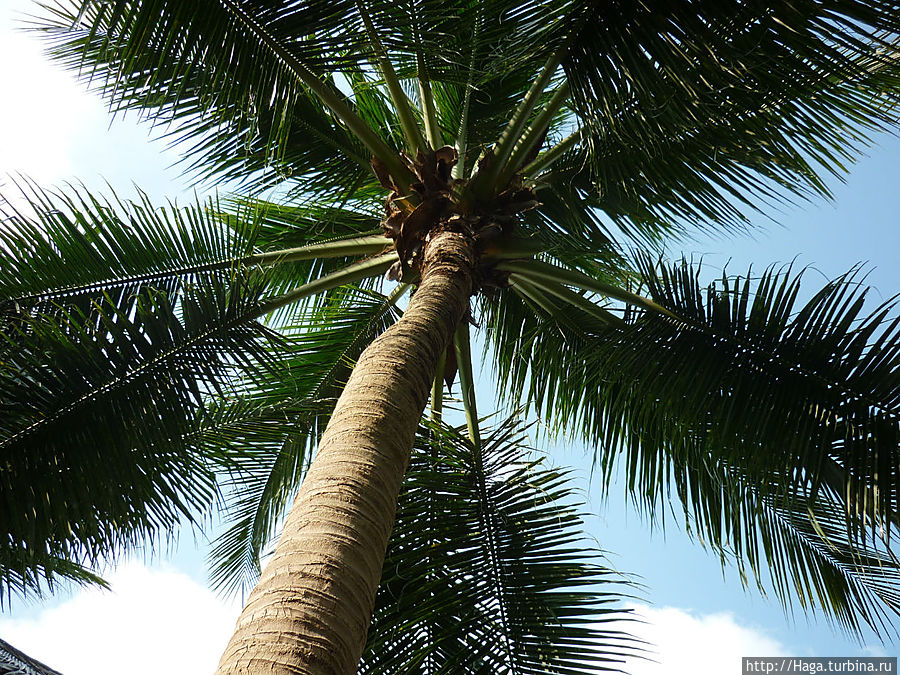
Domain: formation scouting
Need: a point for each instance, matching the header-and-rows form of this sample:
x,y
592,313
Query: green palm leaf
x,y
758,412
798,544
66,246
115,308
73,247
37,571
686,122
227,73
297,224
98,413
488,569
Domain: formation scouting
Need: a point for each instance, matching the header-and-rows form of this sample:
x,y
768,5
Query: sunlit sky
x,y
160,616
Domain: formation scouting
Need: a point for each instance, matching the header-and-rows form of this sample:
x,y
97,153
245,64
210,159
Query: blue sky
x,y
702,621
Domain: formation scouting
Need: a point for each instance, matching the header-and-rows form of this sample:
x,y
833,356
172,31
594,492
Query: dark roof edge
x,y
7,652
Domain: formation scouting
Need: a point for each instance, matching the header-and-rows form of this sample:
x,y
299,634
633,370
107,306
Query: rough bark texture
x,y
311,609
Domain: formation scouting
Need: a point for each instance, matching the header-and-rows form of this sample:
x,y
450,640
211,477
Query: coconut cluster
x,y
433,203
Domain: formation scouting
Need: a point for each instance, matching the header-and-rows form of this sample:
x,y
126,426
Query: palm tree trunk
x,y
310,611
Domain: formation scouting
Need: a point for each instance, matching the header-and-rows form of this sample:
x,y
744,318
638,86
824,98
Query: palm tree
x,y
518,166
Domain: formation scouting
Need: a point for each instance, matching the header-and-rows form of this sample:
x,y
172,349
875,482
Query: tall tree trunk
x,y
310,612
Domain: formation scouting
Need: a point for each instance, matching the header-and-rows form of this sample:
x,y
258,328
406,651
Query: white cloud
x,y
52,129
158,620
155,620
697,644
875,651
43,113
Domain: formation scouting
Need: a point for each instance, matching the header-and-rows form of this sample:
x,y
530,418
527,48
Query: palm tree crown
x,y
516,166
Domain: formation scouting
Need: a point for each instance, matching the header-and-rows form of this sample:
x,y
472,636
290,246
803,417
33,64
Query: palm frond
x,y
697,112
291,225
488,570
268,448
28,573
248,85
233,76
374,104
790,402
797,544
71,245
820,379
98,411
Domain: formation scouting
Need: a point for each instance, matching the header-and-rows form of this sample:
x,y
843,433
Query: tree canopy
x,y
156,359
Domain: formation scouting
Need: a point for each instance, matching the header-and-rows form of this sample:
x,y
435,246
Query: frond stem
x,y
326,94
429,111
576,300
411,131
333,249
356,272
533,135
462,132
546,159
426,96
536,296
483,181
540,270
466,383
530,293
